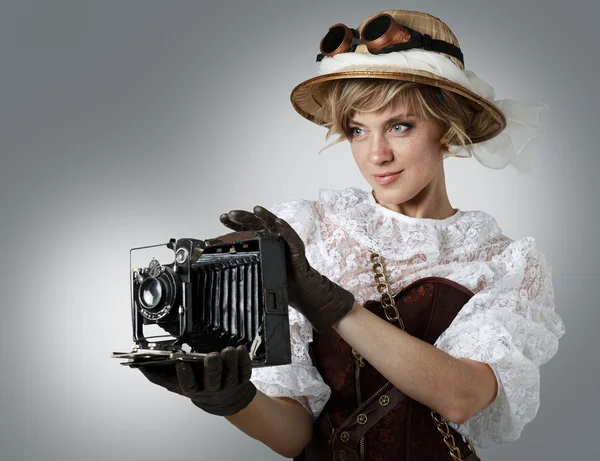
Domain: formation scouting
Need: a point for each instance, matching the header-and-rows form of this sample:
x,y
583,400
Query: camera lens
x,y
150,293
157,295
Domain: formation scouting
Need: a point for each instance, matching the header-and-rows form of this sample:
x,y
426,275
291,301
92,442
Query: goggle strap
x,y
426,43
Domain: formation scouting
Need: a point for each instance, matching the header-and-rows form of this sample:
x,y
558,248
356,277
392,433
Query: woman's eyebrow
x,y
394,118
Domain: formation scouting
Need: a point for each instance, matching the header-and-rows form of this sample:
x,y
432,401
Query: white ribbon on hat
x,y
522,117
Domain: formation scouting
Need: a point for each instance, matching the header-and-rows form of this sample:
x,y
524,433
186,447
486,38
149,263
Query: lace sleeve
x,y
299,380
511,325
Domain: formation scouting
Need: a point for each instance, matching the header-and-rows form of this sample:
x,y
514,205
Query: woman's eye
x,y
354,131
400,127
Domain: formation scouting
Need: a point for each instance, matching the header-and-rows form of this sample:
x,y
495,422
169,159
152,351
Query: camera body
x,y
219,292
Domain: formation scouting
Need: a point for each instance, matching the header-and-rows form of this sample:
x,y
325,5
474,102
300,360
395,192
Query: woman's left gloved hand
x,y
320,300
220,384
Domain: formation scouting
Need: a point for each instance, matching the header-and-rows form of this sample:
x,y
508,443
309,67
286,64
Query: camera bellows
x,y
230,289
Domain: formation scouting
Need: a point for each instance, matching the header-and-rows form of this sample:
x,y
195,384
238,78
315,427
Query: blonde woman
x,y
417,328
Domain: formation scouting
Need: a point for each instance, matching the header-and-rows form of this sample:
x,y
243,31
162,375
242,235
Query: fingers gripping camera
x,y
219,385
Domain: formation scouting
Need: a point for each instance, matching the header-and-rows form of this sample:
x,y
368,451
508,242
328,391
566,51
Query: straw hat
x,y
414,65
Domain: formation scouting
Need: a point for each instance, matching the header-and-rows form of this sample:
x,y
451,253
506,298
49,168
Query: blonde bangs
x,y
344,98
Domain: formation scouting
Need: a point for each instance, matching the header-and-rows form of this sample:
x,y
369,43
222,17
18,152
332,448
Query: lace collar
x,y
398,236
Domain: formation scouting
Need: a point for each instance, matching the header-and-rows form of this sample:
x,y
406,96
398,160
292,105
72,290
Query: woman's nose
x,y
380,150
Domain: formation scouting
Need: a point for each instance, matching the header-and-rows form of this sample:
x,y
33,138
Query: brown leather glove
x,y
220,385
320,300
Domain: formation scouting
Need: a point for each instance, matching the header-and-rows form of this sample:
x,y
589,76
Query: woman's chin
x,y
388,195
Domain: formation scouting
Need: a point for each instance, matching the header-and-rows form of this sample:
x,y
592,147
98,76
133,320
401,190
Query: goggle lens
x,y
333,39
376,28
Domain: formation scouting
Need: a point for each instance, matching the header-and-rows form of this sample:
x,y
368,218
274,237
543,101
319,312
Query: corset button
x,y
342,455
361,419
344,436
384,400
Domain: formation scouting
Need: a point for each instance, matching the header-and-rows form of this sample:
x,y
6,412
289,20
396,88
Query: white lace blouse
x,y
509,324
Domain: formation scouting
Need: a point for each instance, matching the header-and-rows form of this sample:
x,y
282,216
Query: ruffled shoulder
x,y
397,236
512,325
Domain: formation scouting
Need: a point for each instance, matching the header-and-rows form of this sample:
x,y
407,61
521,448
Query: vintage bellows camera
x,y
216,293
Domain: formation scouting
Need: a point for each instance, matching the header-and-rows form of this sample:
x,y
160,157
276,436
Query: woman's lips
x,y
387,178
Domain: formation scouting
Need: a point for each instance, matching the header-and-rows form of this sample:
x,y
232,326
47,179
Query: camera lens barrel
x,y
157,294
151,292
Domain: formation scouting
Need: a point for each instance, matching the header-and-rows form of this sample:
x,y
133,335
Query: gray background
x,y
125,123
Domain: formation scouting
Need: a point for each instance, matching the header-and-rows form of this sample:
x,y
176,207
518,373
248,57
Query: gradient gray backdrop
x,y
125,123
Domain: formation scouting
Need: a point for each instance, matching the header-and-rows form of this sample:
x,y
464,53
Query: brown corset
x,y
391,426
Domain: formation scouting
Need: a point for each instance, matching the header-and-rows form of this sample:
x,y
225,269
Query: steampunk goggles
x,y
382,34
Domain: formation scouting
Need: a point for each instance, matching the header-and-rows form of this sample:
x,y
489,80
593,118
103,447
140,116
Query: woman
x,y
417,329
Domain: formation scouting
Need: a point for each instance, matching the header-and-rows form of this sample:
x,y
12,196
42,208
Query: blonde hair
x,y
458,115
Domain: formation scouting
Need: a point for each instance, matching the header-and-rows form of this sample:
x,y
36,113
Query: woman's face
x,y
401,157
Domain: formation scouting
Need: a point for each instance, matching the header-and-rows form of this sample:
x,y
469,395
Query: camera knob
x,y
181,255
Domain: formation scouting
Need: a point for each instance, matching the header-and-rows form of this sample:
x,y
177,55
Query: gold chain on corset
x,y
383,287
449,438
387,301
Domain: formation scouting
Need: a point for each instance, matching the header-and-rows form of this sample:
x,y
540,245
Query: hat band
x,y
405,62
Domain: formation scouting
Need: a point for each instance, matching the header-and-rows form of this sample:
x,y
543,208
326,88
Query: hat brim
x,y
307,97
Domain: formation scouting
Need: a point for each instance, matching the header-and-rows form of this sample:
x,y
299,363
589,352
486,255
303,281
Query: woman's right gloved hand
x,y
322,301
220,384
